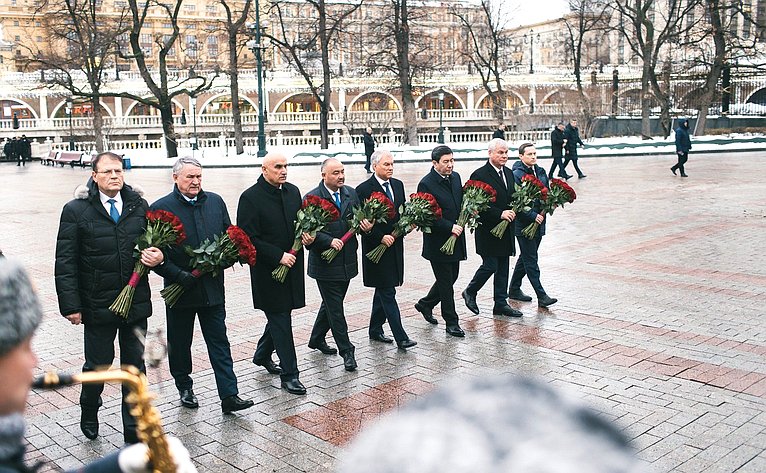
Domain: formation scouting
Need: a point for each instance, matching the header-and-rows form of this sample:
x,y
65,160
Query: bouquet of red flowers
x,y
162,229
314,214
476,198
559,194
420,212
530,188
232,246
377,208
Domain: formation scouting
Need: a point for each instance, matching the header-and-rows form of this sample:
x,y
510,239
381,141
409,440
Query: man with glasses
x,y
94,261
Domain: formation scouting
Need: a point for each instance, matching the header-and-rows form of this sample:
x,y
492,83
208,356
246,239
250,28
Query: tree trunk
x,y
711,80
98,124
409,116
646,102
326,91
168,129
236,113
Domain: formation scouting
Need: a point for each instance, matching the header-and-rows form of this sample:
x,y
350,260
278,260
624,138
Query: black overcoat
x,y
557,143
486,243
449,195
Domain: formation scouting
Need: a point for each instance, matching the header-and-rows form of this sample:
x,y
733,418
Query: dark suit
x,y
449,194
333,278
527,265
494,251
388,273
204,219
267,214
572,135
369,148
557,151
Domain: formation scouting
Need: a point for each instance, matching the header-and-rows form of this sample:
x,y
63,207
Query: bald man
x,y
267,212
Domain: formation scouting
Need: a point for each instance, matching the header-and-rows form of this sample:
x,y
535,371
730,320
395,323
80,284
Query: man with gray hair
x,y
204,216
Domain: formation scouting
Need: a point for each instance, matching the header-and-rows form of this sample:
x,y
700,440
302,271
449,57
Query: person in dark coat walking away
x,y
683,145
267,212
386,275
94,261
369,147
572,136
334,277
204,215
23,150
558,141
500,132
447,188
527,264
20,315
495,252
10,150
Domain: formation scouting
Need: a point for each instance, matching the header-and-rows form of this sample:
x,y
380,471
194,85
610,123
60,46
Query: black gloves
x,y
186,279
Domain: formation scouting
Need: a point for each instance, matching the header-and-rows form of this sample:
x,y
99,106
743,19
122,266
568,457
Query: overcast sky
x,y
532,11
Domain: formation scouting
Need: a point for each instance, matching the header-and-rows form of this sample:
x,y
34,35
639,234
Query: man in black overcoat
x,y
386,275
267,212
369,147
558,140
572,135
334,277
445,185
495,252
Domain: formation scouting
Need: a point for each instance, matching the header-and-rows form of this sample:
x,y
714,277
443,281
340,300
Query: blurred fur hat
x,y
20,311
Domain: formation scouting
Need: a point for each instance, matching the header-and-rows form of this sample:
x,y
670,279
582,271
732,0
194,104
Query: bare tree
x,y
233,24
484,34
80,48
309,50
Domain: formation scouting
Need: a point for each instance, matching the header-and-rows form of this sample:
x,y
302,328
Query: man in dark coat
x,y
683,145
334,277
204,215
495,252
94,261
386,275
10,150
572,136
558,140
267,212
527,265
500,132
445,185
369,147
24,150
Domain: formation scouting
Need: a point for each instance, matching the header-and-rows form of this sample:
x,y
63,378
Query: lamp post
x,y
257,48
193,103
69,110
531,40
441,107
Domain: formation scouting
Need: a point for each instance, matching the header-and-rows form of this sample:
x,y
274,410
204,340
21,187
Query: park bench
x,y
87,160
68,157
49,158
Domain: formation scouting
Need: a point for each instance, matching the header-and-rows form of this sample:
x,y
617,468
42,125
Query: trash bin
x,y
126,163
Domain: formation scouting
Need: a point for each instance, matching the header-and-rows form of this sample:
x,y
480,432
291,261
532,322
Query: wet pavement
x,y
660,324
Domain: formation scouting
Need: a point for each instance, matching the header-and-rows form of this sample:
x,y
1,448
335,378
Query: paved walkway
x,y
661,282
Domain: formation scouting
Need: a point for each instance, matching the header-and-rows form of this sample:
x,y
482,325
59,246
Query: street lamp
x,y
193,103
441,106
69,109
257,48
531,40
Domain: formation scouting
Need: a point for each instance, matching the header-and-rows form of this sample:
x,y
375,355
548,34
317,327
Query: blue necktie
x,y
388,191
336,195
113,211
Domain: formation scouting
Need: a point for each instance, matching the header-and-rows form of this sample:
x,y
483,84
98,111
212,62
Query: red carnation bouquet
x,y
377,208
314,214
162,229
232,246
421,212
559,194
476,198
530,188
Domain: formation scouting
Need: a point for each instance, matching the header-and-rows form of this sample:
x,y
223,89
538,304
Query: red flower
x,y
483,186
383,198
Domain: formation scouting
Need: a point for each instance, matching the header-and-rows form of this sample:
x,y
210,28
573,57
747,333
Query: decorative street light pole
x,y
441,107
257,48
531,40
69,111
193,102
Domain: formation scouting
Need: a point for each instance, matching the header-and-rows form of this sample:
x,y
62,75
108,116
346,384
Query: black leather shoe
x,y
380,337
89,424
581,176
323,347
673,170
470,302
545,301
234,403
683,174
427,313
188,399
294,386
508,311
349,362
405,344
455,331
270,366
518,295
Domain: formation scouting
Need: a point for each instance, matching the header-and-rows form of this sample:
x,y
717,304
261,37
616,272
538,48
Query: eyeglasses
x,y
117,172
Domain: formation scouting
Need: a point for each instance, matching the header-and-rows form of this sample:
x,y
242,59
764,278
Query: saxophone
x,y
149,425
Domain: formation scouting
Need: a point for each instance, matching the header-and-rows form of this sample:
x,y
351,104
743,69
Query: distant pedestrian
x,y
10,149
500,132
683,145
369,147
23,150
558,141
572,135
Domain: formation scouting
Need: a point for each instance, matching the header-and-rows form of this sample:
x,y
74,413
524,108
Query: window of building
x,y
15,22
212,46
190,8
145,41
212,10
